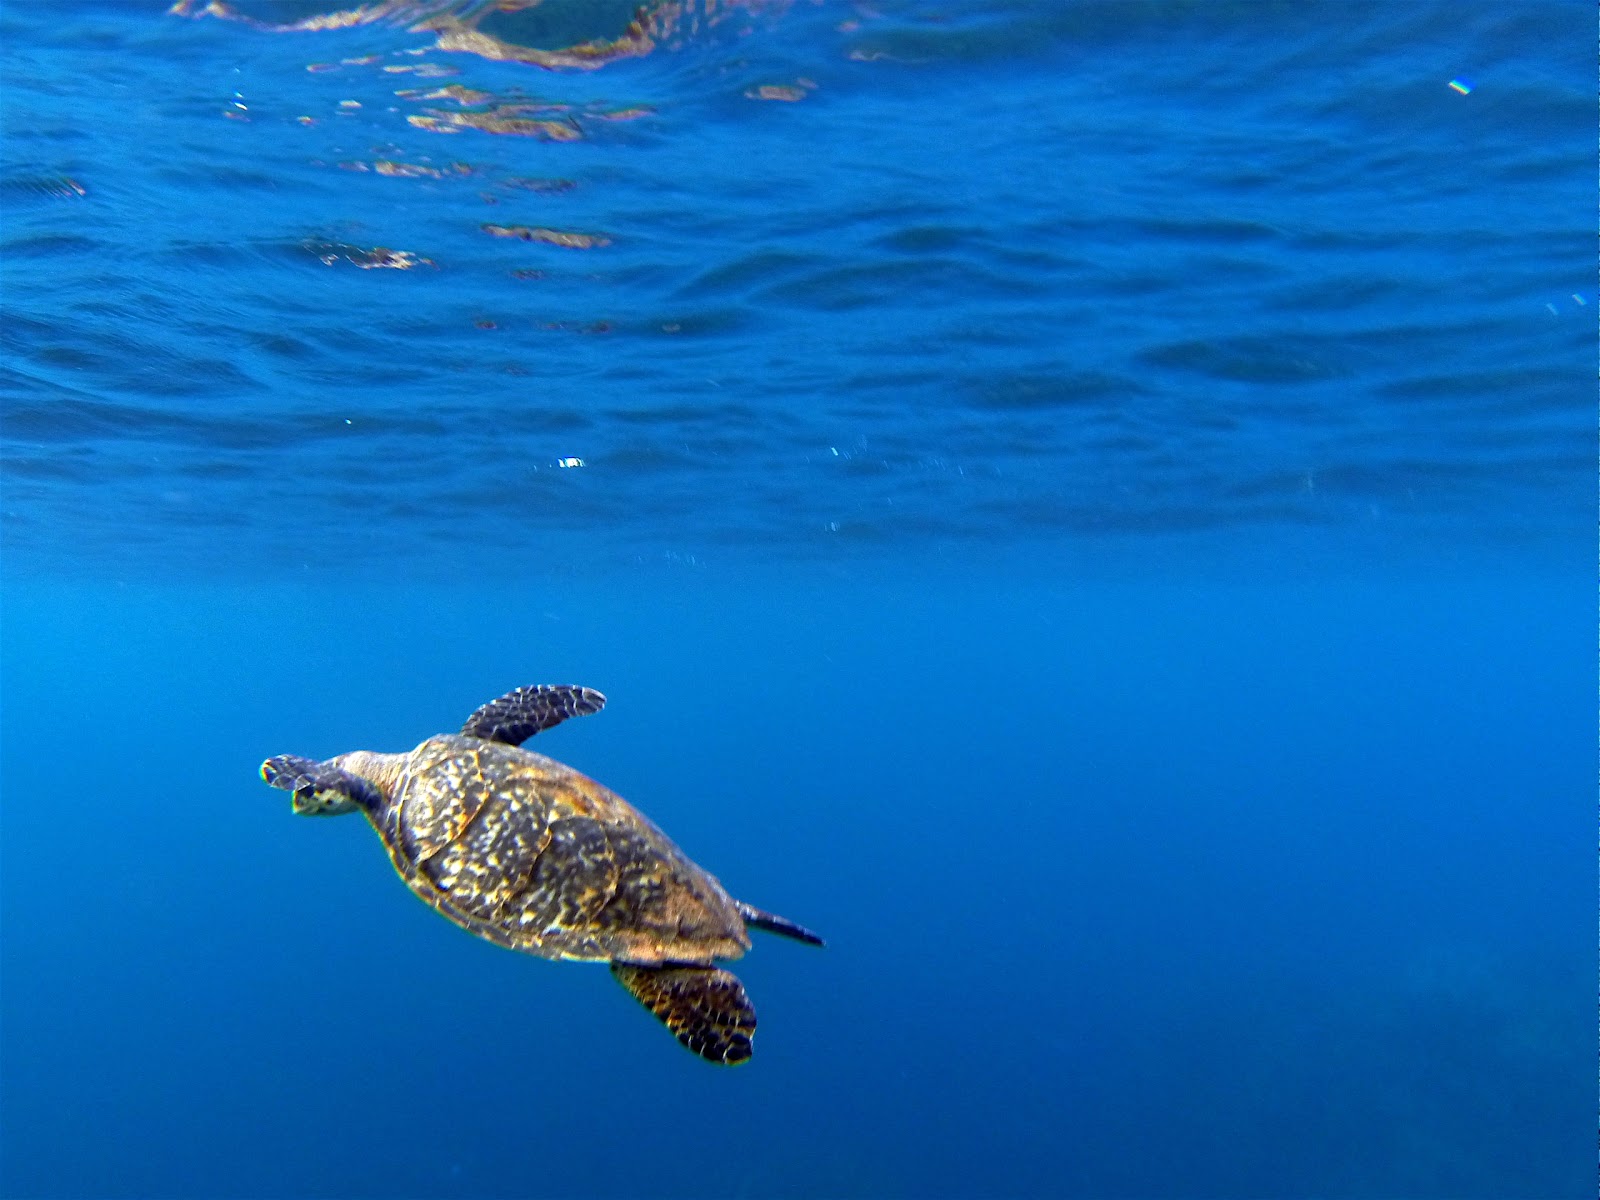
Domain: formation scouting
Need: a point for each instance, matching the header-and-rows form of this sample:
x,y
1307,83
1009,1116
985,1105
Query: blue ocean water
x,y
1090,506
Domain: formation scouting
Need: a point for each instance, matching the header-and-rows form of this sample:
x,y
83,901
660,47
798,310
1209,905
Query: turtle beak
x,y
321,802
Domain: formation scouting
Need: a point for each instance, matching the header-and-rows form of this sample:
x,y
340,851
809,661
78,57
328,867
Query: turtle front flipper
x,y
705,1007
320,789
517,716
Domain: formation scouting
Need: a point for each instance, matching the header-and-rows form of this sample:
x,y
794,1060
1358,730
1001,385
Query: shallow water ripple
x,y
493,282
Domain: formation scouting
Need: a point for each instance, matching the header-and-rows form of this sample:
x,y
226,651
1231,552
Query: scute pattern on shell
x,y
531,854
474,829
575,882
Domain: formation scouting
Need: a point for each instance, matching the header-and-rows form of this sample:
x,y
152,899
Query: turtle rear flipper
x,y
319,788
705,1007
517,716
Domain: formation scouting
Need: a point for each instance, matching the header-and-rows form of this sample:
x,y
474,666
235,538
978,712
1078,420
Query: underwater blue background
x,y
1090,506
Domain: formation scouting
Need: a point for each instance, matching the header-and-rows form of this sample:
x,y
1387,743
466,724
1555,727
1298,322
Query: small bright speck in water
x,y
1460,85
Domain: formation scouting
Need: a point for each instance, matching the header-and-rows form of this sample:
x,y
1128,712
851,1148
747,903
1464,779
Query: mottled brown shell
x,y
532,855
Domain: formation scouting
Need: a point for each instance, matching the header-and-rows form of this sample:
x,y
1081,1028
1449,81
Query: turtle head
x,y
328,789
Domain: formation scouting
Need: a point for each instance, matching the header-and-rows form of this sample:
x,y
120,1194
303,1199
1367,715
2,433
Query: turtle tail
x,y
773,923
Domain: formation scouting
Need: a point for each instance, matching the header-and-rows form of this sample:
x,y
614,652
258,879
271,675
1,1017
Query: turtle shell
x,y
535,856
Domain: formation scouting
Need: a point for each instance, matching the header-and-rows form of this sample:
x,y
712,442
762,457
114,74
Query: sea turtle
x,y
531,855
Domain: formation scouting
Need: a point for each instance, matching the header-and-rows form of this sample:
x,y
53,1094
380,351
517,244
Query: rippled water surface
x,y
793,277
